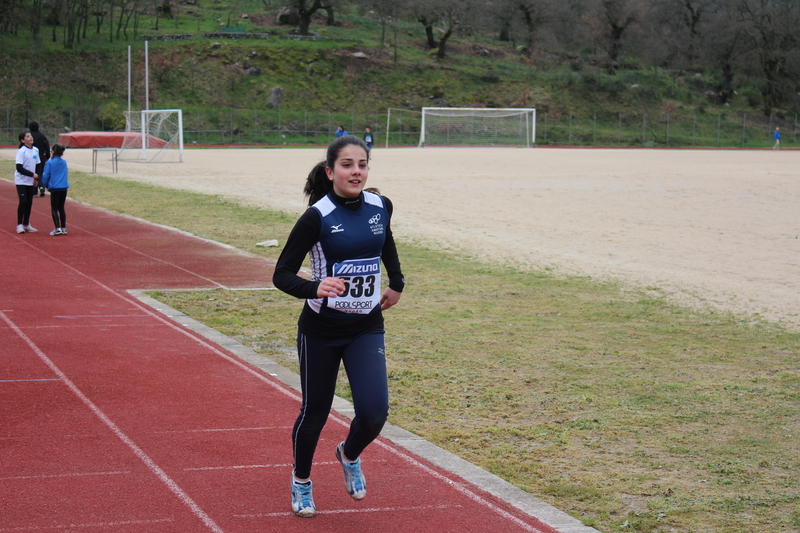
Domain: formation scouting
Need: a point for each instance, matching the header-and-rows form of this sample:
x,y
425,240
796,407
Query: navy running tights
x,y
365,363
57,201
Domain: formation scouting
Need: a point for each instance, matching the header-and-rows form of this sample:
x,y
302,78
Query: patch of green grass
x,y
629,412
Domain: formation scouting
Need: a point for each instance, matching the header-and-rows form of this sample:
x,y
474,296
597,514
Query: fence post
x,y
545,126
795,127
569,139
619,128
719,127
744,128
644,128
594,141
694,127
667,129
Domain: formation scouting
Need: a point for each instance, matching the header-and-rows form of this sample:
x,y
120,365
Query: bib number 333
x,y
362,285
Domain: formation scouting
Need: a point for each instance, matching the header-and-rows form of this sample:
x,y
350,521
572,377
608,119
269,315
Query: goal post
x,y
402,126
467,126
153,136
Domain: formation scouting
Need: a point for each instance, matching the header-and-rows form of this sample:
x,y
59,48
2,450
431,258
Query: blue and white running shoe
x,y
354,480
302,499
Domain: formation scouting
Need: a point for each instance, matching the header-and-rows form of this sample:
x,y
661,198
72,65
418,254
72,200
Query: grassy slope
x,y
628,412
327,77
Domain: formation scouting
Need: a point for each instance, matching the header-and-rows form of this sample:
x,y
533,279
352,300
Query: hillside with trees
x,y
65,61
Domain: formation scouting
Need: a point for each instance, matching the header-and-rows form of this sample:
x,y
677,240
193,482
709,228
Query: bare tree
x,y
771,31
449,14
306,9
612,20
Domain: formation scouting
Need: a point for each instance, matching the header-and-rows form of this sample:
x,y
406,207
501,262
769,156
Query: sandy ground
x,y
706,227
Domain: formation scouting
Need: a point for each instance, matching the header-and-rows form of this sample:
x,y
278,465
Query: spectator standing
x,y
55,178
777,136
26,180
341,132
368,138
41,143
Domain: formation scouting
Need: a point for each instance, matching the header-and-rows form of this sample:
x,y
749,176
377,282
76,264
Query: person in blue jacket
x,y
346,232
777,136
56,179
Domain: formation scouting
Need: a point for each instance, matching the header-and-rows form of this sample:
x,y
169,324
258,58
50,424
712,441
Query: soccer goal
x,y
465,126
153,136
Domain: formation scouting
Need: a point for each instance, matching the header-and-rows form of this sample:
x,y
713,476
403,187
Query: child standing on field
x,y
26,180
55,179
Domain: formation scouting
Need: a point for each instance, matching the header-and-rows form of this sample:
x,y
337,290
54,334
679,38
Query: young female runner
x,y
346,231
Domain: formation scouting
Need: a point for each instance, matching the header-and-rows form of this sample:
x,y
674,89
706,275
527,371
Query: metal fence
x,y
271,127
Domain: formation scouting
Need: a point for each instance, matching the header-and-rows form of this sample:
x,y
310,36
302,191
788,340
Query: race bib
x,y
362,285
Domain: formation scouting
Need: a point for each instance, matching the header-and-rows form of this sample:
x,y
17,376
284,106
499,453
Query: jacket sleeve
x,y
46,175
389,256
302,238
22,170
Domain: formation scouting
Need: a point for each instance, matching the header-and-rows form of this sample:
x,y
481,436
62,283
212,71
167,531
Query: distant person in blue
x,y
777,136
368,138
55,179
341,132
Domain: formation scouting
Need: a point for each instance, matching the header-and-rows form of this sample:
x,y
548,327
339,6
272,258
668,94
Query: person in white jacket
x,y
26,180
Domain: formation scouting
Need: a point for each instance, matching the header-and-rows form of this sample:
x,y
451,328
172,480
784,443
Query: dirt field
x,y
706,227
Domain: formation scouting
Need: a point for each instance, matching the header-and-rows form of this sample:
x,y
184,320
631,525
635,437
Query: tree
x,y
450,14
770,28
612,20
306,10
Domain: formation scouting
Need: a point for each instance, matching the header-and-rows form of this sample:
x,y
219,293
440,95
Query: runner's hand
x,y
389,298
330,288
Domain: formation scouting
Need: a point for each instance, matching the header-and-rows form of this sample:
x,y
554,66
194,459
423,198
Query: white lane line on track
x,y
460,488
75,474
242,467
350,511
169,482
283,389
156,259
27,380
214,430
104,525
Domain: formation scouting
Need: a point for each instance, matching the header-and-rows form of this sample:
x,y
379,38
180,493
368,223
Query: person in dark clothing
x,y
346,232
40,142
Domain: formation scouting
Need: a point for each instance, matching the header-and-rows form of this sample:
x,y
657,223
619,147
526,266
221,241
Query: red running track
x,y
114,419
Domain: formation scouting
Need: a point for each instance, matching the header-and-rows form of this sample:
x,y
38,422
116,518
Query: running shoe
x,y
30,229
302,499
354,480
63,231
56,231
20,228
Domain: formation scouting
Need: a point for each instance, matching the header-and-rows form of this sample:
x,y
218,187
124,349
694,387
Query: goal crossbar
x,y
462,126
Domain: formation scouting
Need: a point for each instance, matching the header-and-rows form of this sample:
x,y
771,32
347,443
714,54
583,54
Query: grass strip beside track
x,y
608,402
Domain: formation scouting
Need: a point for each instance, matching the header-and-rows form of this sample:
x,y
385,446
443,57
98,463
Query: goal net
x,y
153,136
452,126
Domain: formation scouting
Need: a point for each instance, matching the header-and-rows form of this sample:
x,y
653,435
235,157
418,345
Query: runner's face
x,y
28,140
350,171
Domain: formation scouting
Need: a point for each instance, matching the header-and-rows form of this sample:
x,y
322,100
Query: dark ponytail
x,y
318,184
